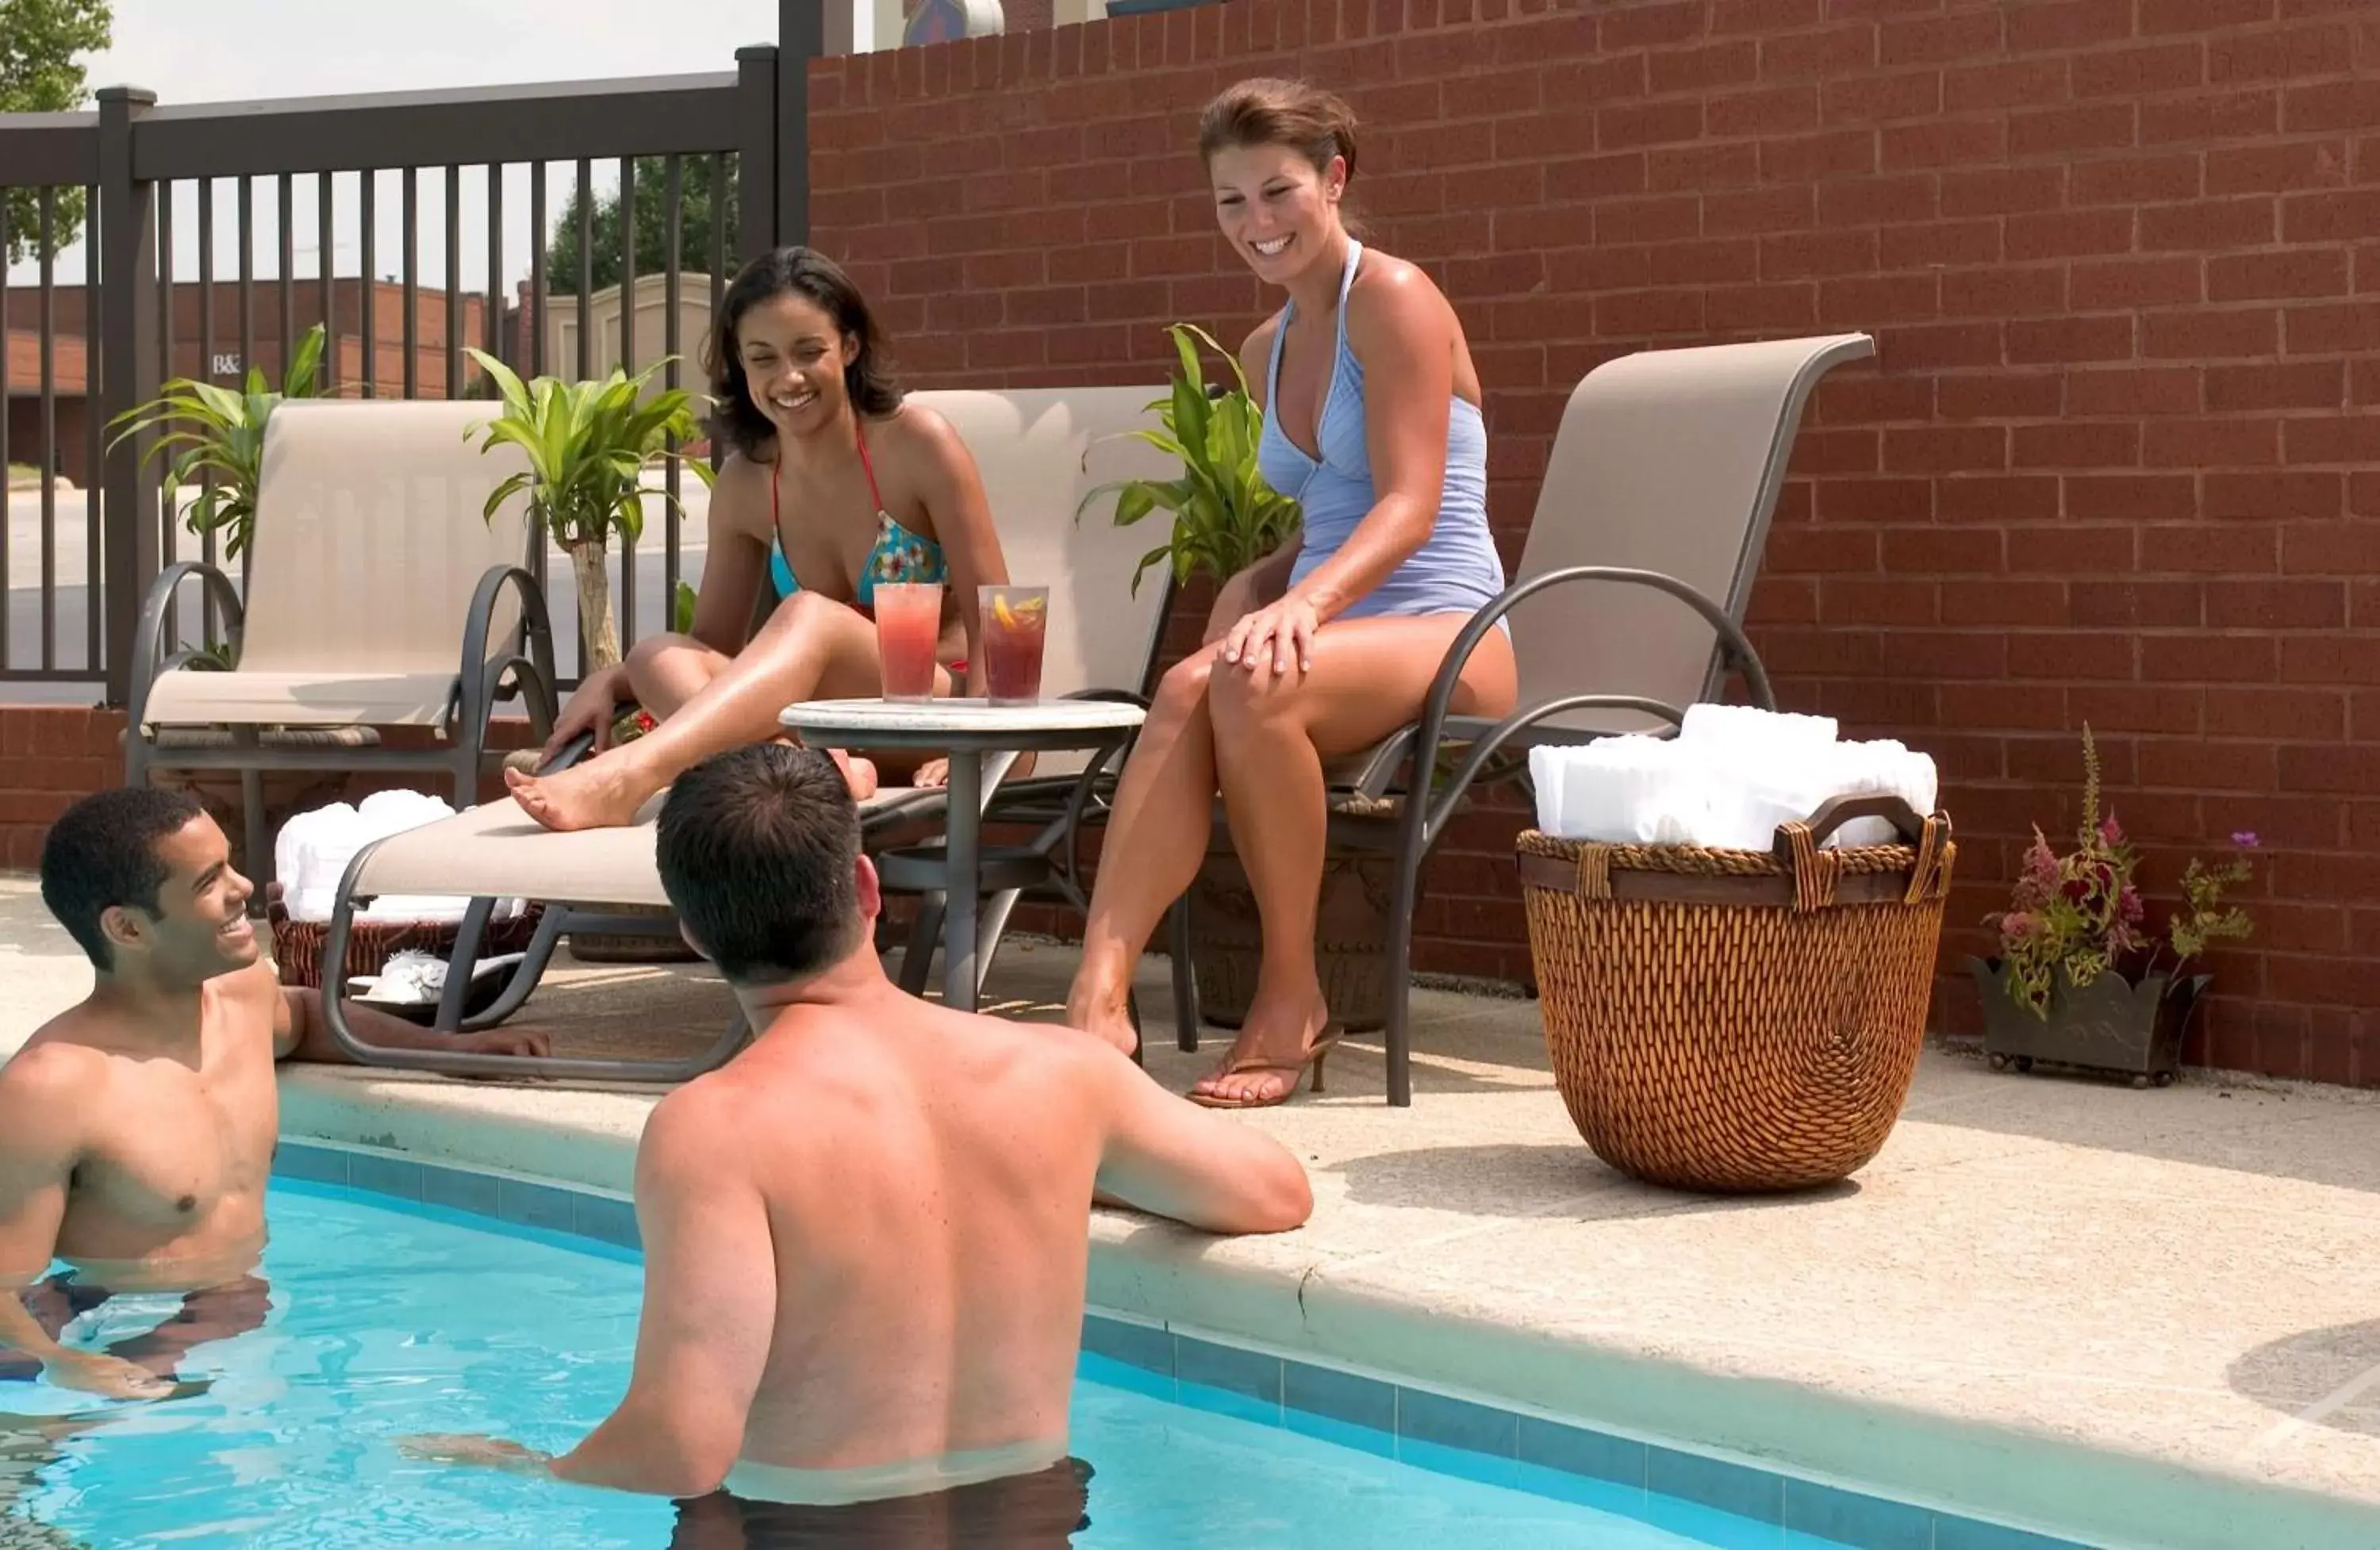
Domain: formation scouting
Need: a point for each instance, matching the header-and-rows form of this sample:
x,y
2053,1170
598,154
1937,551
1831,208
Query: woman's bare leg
x,y
1272,733
810,647
1159,824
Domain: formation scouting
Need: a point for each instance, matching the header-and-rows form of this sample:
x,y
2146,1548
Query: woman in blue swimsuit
x,y
1373,423
834,478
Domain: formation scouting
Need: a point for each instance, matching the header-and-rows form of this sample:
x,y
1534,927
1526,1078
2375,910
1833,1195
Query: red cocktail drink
x,y
1015,627
908,628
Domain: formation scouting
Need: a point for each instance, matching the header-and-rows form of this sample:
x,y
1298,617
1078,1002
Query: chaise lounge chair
x,y
378,596
1037,451
1658,491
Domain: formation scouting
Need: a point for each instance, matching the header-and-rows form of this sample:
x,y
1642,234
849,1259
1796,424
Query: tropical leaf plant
x,y
217,435
589,445
1225,516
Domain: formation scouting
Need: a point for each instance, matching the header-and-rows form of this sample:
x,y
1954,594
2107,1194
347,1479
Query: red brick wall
x,y
2116,461
50,755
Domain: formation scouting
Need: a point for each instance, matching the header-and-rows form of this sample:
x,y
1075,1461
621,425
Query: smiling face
x,y
200,928
1279,209
793,359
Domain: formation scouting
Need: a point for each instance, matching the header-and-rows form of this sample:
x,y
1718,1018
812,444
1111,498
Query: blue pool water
x,y
388,1320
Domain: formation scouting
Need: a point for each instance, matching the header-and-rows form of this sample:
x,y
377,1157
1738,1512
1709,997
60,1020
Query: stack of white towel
x,y
1726,780
312,851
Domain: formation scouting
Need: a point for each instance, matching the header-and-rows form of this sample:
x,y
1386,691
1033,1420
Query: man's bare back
x,y
137,1129
865,1237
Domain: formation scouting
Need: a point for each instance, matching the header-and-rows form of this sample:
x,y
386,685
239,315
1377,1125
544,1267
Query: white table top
x,y
960,718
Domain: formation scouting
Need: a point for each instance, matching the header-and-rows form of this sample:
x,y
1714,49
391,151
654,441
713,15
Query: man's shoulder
x,y
55,1076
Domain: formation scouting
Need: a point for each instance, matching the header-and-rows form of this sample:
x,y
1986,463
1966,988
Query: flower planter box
x,y
2112,1025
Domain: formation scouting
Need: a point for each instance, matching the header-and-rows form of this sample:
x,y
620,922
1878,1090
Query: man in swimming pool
x,y
136,1128
865,1237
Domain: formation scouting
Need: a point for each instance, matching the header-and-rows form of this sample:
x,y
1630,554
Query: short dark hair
x,y
102,852
807,273
755,848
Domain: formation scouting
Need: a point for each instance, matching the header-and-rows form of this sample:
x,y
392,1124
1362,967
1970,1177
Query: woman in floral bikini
x,y
854,486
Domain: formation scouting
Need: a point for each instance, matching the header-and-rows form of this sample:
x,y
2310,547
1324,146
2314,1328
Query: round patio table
x,y
966,731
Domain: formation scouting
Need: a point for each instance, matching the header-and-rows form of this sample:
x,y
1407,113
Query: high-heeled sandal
x,y
1315,1053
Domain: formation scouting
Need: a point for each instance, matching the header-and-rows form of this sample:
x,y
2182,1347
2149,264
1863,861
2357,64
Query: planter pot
x,y
2113,1025
1350,938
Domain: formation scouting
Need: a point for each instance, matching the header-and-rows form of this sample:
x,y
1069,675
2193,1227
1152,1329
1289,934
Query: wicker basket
x,y
298,944
1738,1021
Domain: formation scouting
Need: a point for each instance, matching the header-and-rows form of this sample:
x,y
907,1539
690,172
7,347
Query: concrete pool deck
x,y
2134,1318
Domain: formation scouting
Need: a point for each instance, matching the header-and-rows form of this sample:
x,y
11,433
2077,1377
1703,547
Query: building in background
x,y
217,354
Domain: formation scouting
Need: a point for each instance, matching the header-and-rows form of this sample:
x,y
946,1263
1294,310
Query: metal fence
x,y
73,356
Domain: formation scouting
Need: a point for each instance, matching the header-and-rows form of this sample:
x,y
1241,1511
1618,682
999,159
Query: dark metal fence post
x,y
755,152
801,37
128,375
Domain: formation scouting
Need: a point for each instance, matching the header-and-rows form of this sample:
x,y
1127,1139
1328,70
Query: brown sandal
x,y
1315,1053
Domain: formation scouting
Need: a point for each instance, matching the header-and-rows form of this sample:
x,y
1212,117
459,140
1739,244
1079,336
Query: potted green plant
x,y
1226,517
589,445
215,434
2081,980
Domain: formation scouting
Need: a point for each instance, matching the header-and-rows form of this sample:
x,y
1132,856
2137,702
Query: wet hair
x,y
102,853
1317,124
806,273
755,848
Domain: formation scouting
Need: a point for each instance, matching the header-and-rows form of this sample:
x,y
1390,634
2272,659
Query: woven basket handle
x,y
1832,815
1814,870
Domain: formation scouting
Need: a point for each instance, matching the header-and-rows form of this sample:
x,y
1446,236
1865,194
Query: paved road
x,y
70,607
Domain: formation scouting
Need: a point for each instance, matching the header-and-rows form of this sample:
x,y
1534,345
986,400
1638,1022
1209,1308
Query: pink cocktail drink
x,y
908,628
1015,628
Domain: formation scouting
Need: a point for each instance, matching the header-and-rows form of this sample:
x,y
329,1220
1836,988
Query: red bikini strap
x,y
867,467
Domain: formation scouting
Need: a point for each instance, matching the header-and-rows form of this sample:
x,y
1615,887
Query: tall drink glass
x,y
908,627
1015,627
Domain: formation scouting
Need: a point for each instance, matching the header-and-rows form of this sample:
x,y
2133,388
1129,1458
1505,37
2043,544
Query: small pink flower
x,y
2245,839
2111,833
2129,906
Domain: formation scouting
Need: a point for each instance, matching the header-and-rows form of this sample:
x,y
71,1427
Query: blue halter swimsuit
x,y
1457,569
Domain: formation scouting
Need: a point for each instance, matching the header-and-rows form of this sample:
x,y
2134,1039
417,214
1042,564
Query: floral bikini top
x,y
900,555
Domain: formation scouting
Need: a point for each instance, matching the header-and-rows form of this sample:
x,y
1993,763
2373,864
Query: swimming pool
x,y
392,1318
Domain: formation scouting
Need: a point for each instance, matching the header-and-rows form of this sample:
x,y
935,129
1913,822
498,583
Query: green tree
x,y
38,73
652,226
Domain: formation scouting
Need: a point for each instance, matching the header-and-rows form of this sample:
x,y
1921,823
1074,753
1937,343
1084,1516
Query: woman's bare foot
x,y
598,794
1269,1060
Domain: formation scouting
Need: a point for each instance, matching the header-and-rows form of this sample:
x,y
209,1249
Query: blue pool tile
x,y
1348,1396
1462,1463
459,1189
607,1220
1345,1433
400,1177
1433,1418
1246,1373
1966,1533
1747,1492
1861,1522
1576,1450
534,1204
1091,1367
1196,1396
1147,1346
316,1164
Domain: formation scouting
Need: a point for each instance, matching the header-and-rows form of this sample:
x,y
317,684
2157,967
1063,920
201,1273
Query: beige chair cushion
x,y
369,543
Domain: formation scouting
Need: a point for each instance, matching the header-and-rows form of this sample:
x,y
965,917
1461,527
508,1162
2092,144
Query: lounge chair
x,y
378,596
1031,446
1660,488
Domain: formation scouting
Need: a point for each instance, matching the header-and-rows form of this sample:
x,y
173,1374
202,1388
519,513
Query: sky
x,y
246,50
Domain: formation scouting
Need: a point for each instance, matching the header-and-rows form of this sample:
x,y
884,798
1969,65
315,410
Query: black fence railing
x,y
196,227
